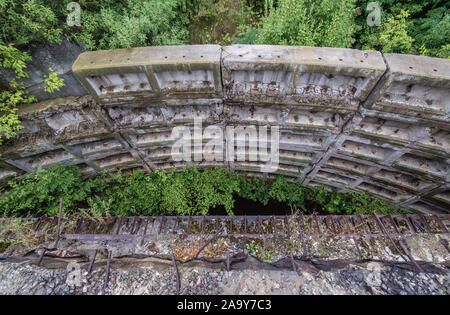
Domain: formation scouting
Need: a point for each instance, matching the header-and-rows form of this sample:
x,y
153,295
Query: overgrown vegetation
x,y
407,26
420,27
190,192
309,23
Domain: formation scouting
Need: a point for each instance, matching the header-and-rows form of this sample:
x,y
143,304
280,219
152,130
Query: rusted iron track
x,y
306,227
394,228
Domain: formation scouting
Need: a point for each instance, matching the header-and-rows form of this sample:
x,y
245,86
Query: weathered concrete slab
x,y
348,119
152,74
414,86
305,76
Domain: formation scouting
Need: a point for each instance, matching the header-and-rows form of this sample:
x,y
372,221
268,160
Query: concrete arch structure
x,y
348,119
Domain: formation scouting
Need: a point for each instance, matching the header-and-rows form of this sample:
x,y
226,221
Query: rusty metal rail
x,y
351,226
305,227
392,227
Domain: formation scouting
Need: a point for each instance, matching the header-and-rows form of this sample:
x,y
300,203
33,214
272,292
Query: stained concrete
x,y
348,119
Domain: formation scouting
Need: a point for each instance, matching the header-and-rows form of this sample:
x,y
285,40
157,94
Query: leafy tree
x,y
14,95
254,188
328,23
394,37
283,191
189,192
39,193
427,24
28,21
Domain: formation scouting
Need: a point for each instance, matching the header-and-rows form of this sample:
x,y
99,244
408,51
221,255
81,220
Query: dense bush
x,y
407,26
309,23
39,193
184,193
23,22
190,192
106,24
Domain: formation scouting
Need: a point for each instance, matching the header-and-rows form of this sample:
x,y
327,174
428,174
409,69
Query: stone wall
x,y
348,119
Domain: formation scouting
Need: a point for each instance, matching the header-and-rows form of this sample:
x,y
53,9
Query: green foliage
x,y
254,189
133,23
219,22
194,193
190,192
394,38
14,95
424,31
52,81
106,24
184,193
39,193
327,23
347,203
130,194
259,251
28,21
291,193
16,232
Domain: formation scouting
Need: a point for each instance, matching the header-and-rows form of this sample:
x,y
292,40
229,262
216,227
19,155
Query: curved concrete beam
x,y
347,118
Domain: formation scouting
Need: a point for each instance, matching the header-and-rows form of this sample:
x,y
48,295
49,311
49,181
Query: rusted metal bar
x,y
206,244
245,224
405,249
133,224
79,223
58,228
126,237
444,243
161,223
411,226
317,224
357,216
145,231
300,226
286,223
425,223
273,225
108,266
347,225
91,262
363,224
38,224
203,225
383,230
175,223
189,225
333,228
177,276
349,231
294,267
393,223
259,224
119,224
41,256
439,222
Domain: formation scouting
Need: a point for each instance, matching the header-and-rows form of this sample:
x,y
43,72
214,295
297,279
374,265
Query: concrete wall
x,y
347,118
